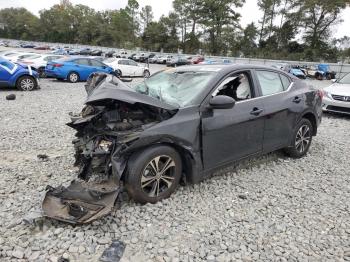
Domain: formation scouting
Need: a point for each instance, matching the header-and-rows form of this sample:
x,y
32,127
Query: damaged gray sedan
x,y
181,123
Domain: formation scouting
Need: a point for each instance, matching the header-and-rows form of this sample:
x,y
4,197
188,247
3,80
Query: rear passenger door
x,y
98,66
123,65
83,67
282,107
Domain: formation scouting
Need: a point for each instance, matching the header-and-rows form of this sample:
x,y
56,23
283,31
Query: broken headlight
x,y
105,145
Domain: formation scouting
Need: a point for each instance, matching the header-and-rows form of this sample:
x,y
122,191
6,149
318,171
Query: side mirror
x,y
222,102
334,80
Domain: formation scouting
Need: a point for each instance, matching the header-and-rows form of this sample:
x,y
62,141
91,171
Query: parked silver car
x,y
337,96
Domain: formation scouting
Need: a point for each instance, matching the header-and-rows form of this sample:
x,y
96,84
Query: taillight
x,y
57,65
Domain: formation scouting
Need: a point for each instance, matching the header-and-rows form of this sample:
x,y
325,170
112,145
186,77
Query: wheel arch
x,y
18,77
312,118
72,71
188,159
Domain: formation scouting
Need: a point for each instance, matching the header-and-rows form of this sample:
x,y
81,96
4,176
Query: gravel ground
x,y
268,209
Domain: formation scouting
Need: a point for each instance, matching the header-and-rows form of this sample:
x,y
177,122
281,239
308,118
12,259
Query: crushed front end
x,y
113,118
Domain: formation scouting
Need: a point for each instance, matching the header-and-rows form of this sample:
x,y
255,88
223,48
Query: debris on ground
x,y
43,157
114,252
11,97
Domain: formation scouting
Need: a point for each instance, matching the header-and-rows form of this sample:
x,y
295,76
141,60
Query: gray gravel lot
x,y
268,209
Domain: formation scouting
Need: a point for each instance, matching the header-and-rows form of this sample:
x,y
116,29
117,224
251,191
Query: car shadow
x,y
10,89
333,115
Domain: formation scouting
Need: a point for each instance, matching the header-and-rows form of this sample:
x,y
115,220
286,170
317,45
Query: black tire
x,y
26,83
146,74
318,76
299,149
73,77
41,72
140,168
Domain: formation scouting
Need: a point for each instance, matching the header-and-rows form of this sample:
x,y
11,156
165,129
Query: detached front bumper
x,y
335,106
80,202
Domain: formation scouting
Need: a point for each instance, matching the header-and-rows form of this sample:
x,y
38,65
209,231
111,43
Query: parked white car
x,y
14,57
39,61
337,96
8,53
123,54
128,67
164,59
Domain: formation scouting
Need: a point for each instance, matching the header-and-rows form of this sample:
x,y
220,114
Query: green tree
x,y
19,23
146,15
218,16
247,43
132,10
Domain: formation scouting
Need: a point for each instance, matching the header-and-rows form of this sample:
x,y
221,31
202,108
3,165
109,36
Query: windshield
x,y
345,80
178,88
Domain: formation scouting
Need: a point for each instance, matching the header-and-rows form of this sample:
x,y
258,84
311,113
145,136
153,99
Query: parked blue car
x,y
18,75
297,72
75,69
211,61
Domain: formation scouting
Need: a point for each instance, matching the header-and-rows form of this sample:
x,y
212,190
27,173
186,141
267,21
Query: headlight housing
x,y
327,94
105,145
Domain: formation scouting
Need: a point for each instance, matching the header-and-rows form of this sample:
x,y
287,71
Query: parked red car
x,y
43,47
197,59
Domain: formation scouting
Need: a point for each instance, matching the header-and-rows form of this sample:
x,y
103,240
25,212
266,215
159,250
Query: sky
x,y
249,12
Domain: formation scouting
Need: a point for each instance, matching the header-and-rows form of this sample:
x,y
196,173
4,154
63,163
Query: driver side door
x,y
232,134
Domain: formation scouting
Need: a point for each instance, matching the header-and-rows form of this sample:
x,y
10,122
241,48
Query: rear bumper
x,y
335,106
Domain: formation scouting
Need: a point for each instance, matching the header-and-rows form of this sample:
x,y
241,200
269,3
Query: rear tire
x,y
301,140
26,83
153,174
73,77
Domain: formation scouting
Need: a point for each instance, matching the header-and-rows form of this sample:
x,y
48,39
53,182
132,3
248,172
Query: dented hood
x,y
112,88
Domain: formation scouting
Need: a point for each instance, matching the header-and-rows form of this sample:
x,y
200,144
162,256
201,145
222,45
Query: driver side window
x,y
238,86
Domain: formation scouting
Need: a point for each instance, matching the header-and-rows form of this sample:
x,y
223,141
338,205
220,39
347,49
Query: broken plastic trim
x,y
80,203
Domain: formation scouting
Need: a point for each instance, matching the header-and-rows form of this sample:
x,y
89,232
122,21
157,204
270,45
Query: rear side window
x,y
123,62
96,63
82,62
132,63
285,81
270,82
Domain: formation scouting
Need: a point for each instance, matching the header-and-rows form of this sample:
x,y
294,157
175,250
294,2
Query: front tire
x,y
73,77
26,83
153,174
301,140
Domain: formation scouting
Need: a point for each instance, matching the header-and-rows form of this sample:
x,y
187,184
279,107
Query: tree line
x,y
288,29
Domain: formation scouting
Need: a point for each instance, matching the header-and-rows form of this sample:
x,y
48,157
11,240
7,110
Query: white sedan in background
x,y
14,57
39,61
337,96
128,67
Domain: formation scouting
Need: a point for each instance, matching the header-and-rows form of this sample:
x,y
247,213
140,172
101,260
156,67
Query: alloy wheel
x,y
303,138
158,175
73,78
27,84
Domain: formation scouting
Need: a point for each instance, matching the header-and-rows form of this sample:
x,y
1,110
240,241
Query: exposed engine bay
x,y
106,127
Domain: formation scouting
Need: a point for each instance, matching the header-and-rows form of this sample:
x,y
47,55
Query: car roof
x,y
222,67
